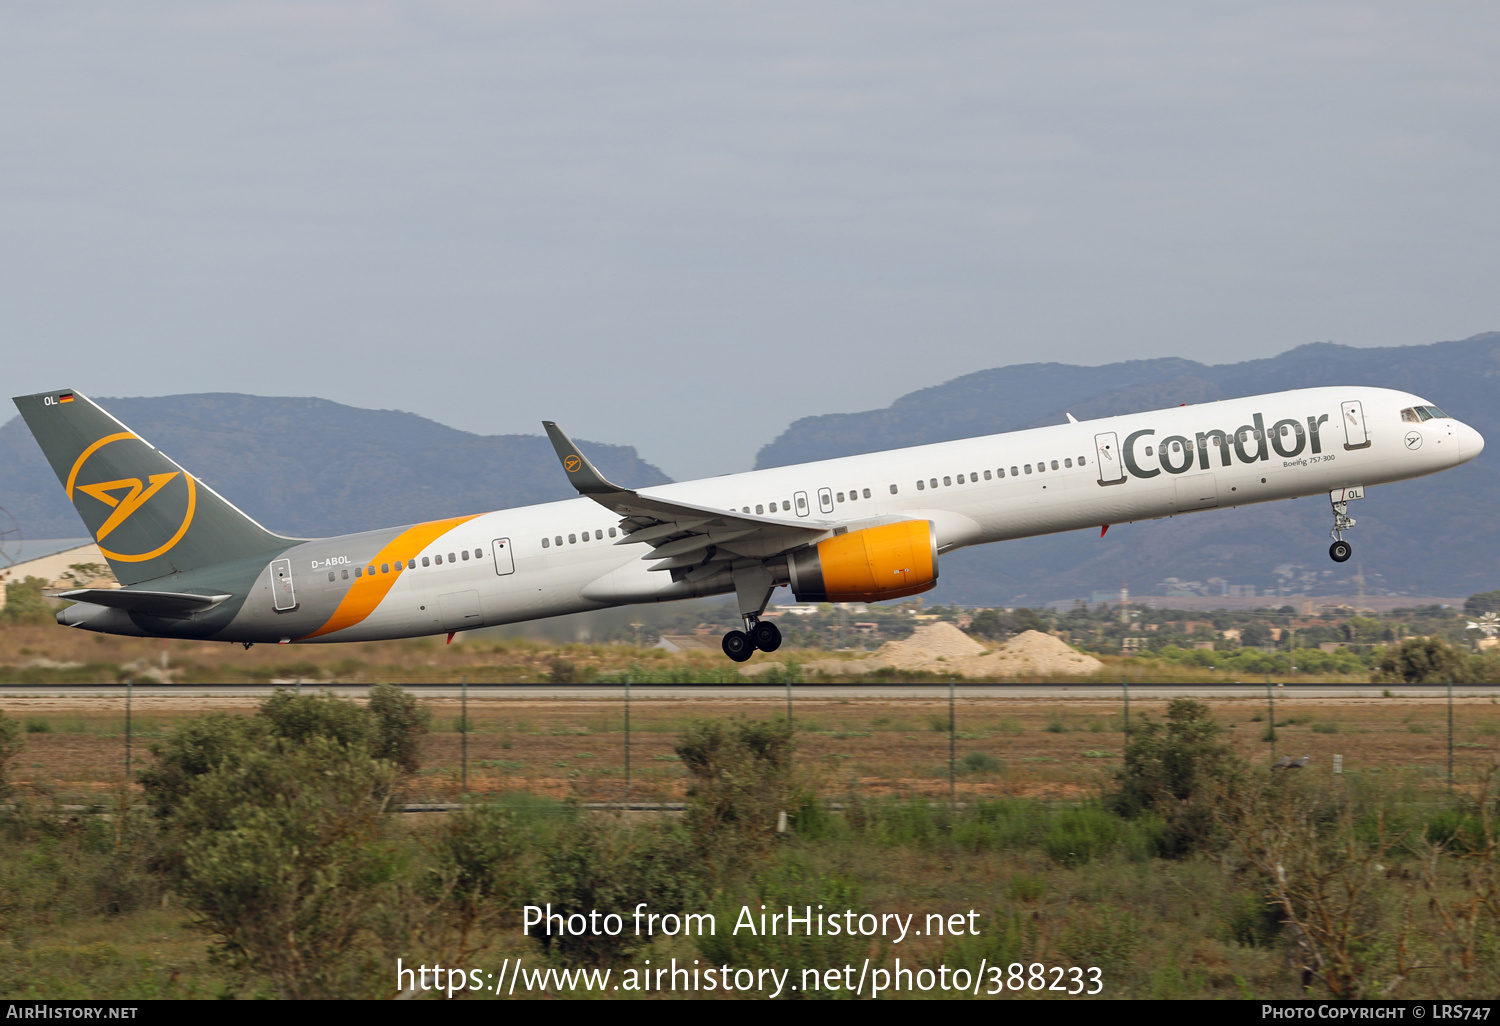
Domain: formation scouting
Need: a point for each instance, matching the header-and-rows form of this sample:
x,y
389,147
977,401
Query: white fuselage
x,y
566,557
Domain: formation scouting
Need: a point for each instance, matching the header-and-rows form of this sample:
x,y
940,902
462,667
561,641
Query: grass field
x,y
1051,875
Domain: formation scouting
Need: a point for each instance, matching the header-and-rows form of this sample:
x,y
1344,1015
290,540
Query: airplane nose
x,y
1470,442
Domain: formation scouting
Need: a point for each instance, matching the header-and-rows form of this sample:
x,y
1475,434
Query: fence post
x,y
1450,733
788,700
1271,707
952,755
1125,683
464,737
299,685
128,771
627,742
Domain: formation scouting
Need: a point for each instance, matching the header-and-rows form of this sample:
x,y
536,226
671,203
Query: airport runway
x,y
596,692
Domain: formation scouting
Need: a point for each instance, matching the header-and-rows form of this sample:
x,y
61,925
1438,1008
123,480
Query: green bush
x,y
1078,836
24,602
399,725
1423,661
282,857
979,762
741,783
1178,769
608,867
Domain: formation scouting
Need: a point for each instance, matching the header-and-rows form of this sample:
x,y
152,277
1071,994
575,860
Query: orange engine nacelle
x,y
866,566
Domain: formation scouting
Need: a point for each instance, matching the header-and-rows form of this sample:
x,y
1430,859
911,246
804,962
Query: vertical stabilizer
x,y
150,517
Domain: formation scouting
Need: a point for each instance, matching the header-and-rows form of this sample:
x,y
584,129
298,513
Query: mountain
x,y
1433,536
311,468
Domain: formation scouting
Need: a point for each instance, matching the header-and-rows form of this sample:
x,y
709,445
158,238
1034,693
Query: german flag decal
x,y
66,397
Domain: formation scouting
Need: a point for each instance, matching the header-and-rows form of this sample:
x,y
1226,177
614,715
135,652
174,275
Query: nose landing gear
x,y
1340,550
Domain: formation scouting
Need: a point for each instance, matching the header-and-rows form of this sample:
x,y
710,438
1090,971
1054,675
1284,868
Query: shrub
x,y
1078,836
399,724
741,783
1423,661
607,867
980,762
1177,768
25,603
282,858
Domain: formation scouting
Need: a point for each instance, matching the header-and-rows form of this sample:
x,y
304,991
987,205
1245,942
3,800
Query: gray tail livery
x,y
150,517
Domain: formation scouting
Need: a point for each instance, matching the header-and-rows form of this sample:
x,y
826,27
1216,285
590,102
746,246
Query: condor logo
x,y
169,500
1250,443
572,463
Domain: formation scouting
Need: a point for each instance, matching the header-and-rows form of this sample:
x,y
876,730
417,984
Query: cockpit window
x,y
1417,414
1434,412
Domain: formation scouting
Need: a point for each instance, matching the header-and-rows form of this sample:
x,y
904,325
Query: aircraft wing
x,y
697,540
154,603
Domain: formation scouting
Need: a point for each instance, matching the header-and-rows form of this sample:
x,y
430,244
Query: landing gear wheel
x,y
767,636
1340,551
737,646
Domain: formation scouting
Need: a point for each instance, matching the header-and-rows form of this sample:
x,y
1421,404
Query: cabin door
x,y
1107,458
282,593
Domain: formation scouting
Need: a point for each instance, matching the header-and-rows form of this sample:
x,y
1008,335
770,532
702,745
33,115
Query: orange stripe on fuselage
x,y
366,593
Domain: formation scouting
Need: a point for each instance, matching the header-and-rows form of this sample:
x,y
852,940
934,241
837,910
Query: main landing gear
x,y
1340,550
758,634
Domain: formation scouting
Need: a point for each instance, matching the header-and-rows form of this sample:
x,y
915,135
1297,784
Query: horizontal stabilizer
x,y
154,603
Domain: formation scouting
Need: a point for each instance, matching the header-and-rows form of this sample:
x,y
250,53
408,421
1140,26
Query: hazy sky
x,y
683,225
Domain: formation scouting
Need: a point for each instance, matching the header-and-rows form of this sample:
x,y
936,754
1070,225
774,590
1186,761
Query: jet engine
x,y
883,562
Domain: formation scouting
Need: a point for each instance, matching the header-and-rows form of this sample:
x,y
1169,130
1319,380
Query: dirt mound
x,y
929,644
1032,653
942,647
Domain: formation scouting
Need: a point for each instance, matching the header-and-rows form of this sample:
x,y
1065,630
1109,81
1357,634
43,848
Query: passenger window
x,y
439,558
786,506
745,510
893,490
557,540
1041,466
1028,468
947,482
920,486
452,558
345,573
760,510
545,544
411,564
1068,462
1054,464
1000,473
986,475
840,497
330,575
973,477
357,572
1150,451
960,479
932,482
611,532
1081,461
572,539
385,568
598,536
466,553
427,561
1014,471
867,493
